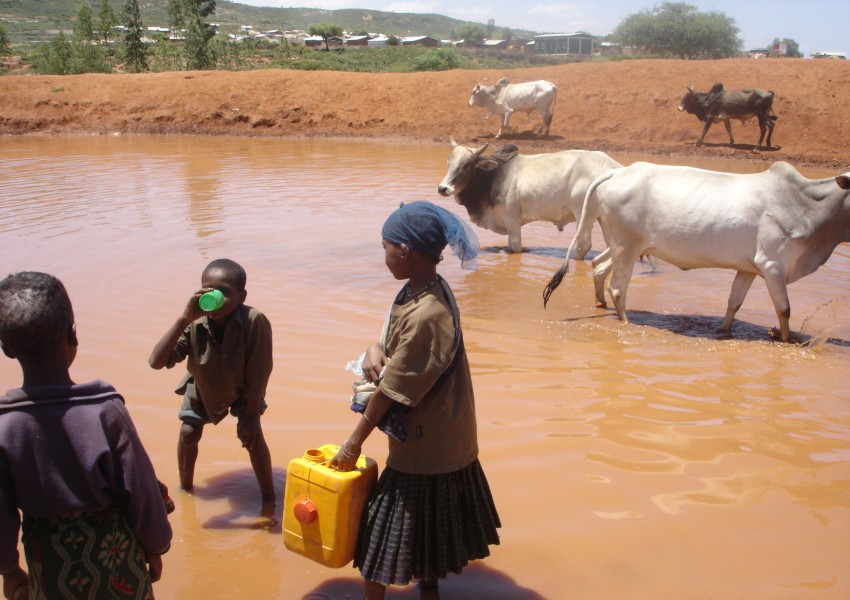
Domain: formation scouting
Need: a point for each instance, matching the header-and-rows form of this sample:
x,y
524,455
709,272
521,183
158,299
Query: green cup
x,y
211,301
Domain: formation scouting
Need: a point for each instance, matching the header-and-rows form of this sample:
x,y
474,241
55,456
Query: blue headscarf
x,y
427,228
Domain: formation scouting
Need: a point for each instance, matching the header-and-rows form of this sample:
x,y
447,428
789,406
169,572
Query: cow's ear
x,y
843,181
486,164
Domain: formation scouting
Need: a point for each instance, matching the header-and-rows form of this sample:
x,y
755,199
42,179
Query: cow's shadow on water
x,y
519,135
708,327
744,147
550,251
477,582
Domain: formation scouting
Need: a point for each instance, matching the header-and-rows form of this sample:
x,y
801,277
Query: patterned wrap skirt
x,y
86,556
425,526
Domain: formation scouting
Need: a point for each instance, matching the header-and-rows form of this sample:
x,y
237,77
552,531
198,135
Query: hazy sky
x,y
813,24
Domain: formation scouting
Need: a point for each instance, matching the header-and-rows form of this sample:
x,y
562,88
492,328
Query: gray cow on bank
x,y
505,98
505,190
777,224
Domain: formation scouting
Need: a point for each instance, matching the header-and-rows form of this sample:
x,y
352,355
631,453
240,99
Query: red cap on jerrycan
x,y
305,511
211,301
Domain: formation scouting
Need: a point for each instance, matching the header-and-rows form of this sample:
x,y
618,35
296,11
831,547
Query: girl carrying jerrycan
x,y
431,511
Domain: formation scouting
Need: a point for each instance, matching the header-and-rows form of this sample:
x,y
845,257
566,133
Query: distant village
x,y
559,43
569,44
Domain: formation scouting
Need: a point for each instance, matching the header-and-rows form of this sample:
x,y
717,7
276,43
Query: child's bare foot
x,y
268,507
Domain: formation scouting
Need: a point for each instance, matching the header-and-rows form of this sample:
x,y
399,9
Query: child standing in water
x,y
94,523
230,362
432,511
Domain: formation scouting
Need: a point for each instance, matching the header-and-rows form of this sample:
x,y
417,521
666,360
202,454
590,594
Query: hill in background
x,y
34,21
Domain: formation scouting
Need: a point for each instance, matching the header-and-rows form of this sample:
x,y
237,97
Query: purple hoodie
x,y
74,448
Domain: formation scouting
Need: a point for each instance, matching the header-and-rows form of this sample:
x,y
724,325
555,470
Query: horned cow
x,y
505,190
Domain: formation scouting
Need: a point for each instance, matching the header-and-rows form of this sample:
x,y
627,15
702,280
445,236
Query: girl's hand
x,y
374,362
346,458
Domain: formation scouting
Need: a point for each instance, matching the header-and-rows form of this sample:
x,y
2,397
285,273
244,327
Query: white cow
x,y
504,191
776,224
505,97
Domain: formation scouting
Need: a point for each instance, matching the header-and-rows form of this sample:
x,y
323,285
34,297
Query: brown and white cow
x,y
505,190
505,98
776,224
719,105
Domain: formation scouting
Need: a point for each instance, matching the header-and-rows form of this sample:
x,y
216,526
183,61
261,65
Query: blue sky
x,y
813,24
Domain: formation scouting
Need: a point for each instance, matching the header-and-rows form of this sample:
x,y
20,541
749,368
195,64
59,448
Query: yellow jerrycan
x,y
322,506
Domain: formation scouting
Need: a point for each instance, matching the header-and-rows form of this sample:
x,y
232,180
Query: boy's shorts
x,y
198,413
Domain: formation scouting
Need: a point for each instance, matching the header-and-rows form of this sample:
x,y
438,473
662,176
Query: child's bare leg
x,y
374,590
261,461
187,452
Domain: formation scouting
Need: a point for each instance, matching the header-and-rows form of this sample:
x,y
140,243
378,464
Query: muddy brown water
x,y
651,460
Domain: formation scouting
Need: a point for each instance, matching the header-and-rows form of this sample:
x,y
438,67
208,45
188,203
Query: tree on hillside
x,y
679,29
4,41
106,20
325,31
84,57
190,15
792,48
84,25
472,35
53,57
135,50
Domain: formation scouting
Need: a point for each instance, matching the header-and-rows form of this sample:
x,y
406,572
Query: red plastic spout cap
x,y
305,511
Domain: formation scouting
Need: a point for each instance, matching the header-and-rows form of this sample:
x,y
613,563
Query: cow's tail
x,y
770,114
547,119
589,214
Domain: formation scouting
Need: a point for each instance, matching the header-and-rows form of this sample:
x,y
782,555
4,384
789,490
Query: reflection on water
x,y
646,460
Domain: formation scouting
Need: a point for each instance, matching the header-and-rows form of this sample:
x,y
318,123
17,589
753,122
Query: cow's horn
x,y
481,150
452,141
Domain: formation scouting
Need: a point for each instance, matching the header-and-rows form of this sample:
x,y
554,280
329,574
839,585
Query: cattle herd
x,y
777,224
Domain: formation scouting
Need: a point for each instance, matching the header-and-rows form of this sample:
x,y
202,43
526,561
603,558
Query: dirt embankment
x,y
628,106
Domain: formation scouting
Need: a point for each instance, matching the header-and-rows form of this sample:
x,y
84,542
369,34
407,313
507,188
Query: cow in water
x,y
504,98
505,190
776,224
719,105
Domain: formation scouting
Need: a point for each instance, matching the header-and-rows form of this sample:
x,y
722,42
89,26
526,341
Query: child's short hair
x,y
35,313
232,268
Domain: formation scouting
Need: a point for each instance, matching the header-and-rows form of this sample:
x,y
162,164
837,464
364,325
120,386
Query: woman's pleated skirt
x,y
426,526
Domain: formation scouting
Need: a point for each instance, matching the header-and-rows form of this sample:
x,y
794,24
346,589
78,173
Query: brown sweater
x,y
441,425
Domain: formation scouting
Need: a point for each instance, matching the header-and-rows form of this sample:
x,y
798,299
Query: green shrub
x,y
438,59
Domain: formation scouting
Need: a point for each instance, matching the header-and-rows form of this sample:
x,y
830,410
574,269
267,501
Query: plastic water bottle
x,y
211,301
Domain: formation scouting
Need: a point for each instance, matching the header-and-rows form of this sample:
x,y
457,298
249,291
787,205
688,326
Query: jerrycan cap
x,y
211,301
305,511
